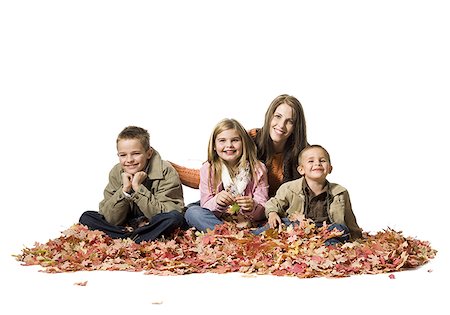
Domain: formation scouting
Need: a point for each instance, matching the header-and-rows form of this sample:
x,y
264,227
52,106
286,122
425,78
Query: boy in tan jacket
x,y
144,198
314,197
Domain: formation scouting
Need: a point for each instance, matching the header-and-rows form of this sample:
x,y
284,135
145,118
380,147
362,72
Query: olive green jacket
x,y
160,192
290,199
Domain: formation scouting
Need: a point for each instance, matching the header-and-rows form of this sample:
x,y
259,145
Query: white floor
x,y
27,291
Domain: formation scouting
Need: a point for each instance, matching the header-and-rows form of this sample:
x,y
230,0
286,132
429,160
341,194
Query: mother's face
x,y
282,124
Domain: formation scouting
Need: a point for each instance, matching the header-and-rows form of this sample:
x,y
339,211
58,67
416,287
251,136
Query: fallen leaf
x,y
82,284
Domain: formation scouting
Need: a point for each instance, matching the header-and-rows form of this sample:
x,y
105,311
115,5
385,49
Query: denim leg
x,y
95,221
197,203
161,224
258,231
201,218
340,239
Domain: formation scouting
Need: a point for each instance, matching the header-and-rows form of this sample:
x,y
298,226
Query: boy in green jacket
x,y
314,197
144,198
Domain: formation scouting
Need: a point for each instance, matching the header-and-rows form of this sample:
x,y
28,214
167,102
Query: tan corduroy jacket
x,y
290,199
160,192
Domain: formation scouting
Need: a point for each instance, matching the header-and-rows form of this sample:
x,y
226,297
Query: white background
x,y
372,76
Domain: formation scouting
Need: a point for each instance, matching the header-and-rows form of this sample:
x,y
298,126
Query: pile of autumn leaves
x,y
297,251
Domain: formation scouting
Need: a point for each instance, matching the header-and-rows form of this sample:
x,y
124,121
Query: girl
x,y
278,143
233,183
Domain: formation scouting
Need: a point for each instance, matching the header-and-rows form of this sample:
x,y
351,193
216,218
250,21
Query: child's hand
x,y
224,198
274,221
245,202
138,179
126,182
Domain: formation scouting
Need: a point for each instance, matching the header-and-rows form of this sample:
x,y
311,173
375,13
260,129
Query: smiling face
x,y
228,146
132,155
315,164
281,125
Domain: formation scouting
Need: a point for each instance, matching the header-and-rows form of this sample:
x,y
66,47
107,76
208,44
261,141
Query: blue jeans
x,y
160,224
340,239
331,241
201,218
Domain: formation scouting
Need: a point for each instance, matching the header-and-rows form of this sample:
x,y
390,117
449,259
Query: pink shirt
x,y
258,189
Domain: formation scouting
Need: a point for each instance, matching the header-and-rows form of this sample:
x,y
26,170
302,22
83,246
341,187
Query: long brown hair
x,y
296,142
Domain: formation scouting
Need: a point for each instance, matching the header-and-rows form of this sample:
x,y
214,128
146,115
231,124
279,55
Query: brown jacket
x,y
290,199
160,192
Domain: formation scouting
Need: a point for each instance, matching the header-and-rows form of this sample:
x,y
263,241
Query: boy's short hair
x,y
134,132
310,147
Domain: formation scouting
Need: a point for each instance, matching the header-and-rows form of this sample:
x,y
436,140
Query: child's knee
x,y
193,212
176,217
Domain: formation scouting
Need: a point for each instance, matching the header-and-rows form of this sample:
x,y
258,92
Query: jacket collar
x,y
333,189
154,168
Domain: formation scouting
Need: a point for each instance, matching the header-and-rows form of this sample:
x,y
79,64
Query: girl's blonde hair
x,y
248,151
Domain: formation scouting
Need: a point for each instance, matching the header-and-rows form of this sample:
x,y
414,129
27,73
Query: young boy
x,y
144,198
314,197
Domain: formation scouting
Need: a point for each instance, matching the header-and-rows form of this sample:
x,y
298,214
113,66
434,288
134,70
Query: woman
x,y
278,144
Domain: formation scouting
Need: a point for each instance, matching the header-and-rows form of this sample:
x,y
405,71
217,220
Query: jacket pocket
x,y
337,210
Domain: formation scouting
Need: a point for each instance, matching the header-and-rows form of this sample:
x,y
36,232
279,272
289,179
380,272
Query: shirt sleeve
x,y
260,193
114,206
208,197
